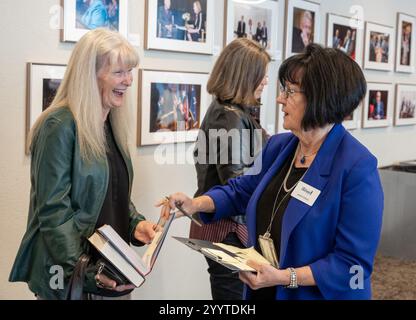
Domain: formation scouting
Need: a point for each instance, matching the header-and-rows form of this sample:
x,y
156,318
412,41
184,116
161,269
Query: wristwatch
x,y
293,279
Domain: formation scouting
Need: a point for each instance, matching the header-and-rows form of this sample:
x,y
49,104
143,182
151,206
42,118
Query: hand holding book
x,y
123,258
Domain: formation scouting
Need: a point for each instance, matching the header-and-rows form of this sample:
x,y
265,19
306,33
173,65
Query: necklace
x,y
287,190
304,156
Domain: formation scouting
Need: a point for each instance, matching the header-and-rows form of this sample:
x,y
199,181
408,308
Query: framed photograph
x,y
180,25
405,105
378,105
80,16
351,122
43,81
302,25
379,47
341,34
172,106
406,41
256,21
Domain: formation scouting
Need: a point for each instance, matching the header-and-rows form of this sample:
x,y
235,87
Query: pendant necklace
x,y
304,156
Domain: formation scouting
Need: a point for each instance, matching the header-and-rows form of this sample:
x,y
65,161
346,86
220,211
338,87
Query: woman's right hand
x,y
169,203
105,282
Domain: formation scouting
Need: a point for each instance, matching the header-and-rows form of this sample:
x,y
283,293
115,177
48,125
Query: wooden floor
x,y
394,279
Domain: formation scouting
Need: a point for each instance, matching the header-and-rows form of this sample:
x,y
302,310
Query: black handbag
x,y
107,269
102,266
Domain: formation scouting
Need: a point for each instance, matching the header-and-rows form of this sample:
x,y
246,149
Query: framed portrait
x,y
405,105
172,106
343,34
80,16
302,25
43,81
406,41
180,25
378,105
379,47
256,21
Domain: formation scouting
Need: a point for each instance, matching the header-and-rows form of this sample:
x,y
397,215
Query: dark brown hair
x,y
238,72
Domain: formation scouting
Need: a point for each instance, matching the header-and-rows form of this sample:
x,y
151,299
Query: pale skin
x,y
310,141
113,82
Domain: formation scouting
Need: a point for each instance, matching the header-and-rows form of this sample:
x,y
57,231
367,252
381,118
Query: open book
x,y
232,257
119,253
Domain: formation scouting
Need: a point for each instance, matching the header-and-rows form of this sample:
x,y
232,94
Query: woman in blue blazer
x,y
315,192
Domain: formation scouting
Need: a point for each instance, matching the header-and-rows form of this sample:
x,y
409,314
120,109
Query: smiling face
x,y
113,82
293,108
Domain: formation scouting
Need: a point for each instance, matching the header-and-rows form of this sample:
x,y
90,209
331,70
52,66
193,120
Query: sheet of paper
x,y
246,254
224,257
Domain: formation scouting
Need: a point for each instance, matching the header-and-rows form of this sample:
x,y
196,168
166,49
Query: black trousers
x,y
225,285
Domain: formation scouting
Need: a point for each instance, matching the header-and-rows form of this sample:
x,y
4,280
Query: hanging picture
x,y
378,105
256,21
351,122
379,47
180,25
171,106
343,34
302,25
43,81
406,41
80,16
405,105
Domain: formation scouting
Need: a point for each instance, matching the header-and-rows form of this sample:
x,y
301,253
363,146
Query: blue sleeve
x,y
357,233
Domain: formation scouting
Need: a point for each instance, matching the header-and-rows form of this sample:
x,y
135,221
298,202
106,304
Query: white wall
x,y
179,273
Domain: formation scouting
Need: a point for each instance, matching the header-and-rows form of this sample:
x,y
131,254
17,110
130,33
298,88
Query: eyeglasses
x,y
288,92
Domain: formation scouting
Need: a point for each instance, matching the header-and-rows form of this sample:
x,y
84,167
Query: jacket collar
x,y
317,176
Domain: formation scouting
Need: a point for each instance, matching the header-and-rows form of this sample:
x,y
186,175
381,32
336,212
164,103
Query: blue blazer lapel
x,y
317,176
272,171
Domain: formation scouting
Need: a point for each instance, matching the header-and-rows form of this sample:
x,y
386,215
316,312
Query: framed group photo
x,y
379,47
406,41
378,105
256,21
345,37
180,25
80,16
172,106
405,105
302,25
43,81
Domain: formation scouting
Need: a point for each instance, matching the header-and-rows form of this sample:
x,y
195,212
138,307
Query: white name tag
x,y
305,193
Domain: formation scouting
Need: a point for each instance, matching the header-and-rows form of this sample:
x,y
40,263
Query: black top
x,y
264,214
115,209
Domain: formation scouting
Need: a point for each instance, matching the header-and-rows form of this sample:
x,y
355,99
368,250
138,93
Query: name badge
x,y
306,193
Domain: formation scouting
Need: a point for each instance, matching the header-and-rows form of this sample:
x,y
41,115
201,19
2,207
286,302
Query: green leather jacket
x,y
66,197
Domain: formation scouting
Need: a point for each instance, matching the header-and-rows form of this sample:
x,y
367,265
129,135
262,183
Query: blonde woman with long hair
x,y
81,171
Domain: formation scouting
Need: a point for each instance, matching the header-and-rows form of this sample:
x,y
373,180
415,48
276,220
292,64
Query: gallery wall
x,y
29,34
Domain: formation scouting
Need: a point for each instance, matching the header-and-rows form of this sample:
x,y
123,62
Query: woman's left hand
x,y
266,276
145,231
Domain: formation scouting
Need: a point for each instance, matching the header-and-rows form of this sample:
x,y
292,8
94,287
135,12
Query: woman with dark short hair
x,y
317,200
